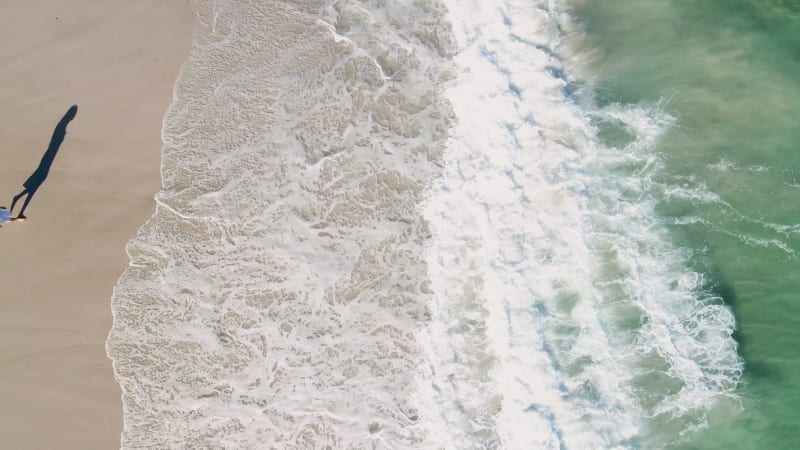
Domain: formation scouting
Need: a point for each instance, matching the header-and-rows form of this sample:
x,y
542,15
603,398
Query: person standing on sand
x,y
6,216
40,174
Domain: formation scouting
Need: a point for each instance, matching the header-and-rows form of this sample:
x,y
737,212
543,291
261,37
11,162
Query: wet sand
x,y
117,60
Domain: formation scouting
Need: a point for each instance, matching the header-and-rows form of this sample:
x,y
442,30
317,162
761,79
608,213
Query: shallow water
x,y
729,73
462,225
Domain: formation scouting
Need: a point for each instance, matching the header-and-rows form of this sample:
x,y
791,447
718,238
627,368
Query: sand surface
x,y
117,60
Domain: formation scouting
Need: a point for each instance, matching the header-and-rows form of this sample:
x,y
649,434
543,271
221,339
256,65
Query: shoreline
x,y
118,61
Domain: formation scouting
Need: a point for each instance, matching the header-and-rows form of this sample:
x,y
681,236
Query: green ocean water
x,y
728,71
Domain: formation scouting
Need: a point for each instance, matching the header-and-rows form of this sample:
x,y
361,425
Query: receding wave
x,y
398,225
272,298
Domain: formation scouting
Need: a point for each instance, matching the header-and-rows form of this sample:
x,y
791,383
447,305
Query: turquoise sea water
x,y
729,74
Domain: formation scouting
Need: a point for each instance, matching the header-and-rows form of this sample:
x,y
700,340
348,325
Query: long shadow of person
x,y
40,174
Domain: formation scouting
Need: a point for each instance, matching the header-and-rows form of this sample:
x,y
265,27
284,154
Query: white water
x,y
326,269
563,317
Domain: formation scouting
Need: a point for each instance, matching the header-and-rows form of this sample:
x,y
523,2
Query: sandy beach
x,y
117,60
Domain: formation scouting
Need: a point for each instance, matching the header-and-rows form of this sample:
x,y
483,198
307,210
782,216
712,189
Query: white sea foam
x,y
272,298
563,317
325,271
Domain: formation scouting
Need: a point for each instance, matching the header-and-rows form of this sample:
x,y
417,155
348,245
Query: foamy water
x,y
272,299
392,225
563,317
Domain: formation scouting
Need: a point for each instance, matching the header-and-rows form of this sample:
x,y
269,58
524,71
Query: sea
x,y
474,224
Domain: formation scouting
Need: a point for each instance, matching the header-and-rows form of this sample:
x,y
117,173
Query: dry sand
x,y
117,60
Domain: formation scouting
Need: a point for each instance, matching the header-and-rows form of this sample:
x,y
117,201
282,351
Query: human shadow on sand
x,y
40,174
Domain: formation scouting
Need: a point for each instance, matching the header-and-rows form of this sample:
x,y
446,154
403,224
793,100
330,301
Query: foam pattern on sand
x,y
272,298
